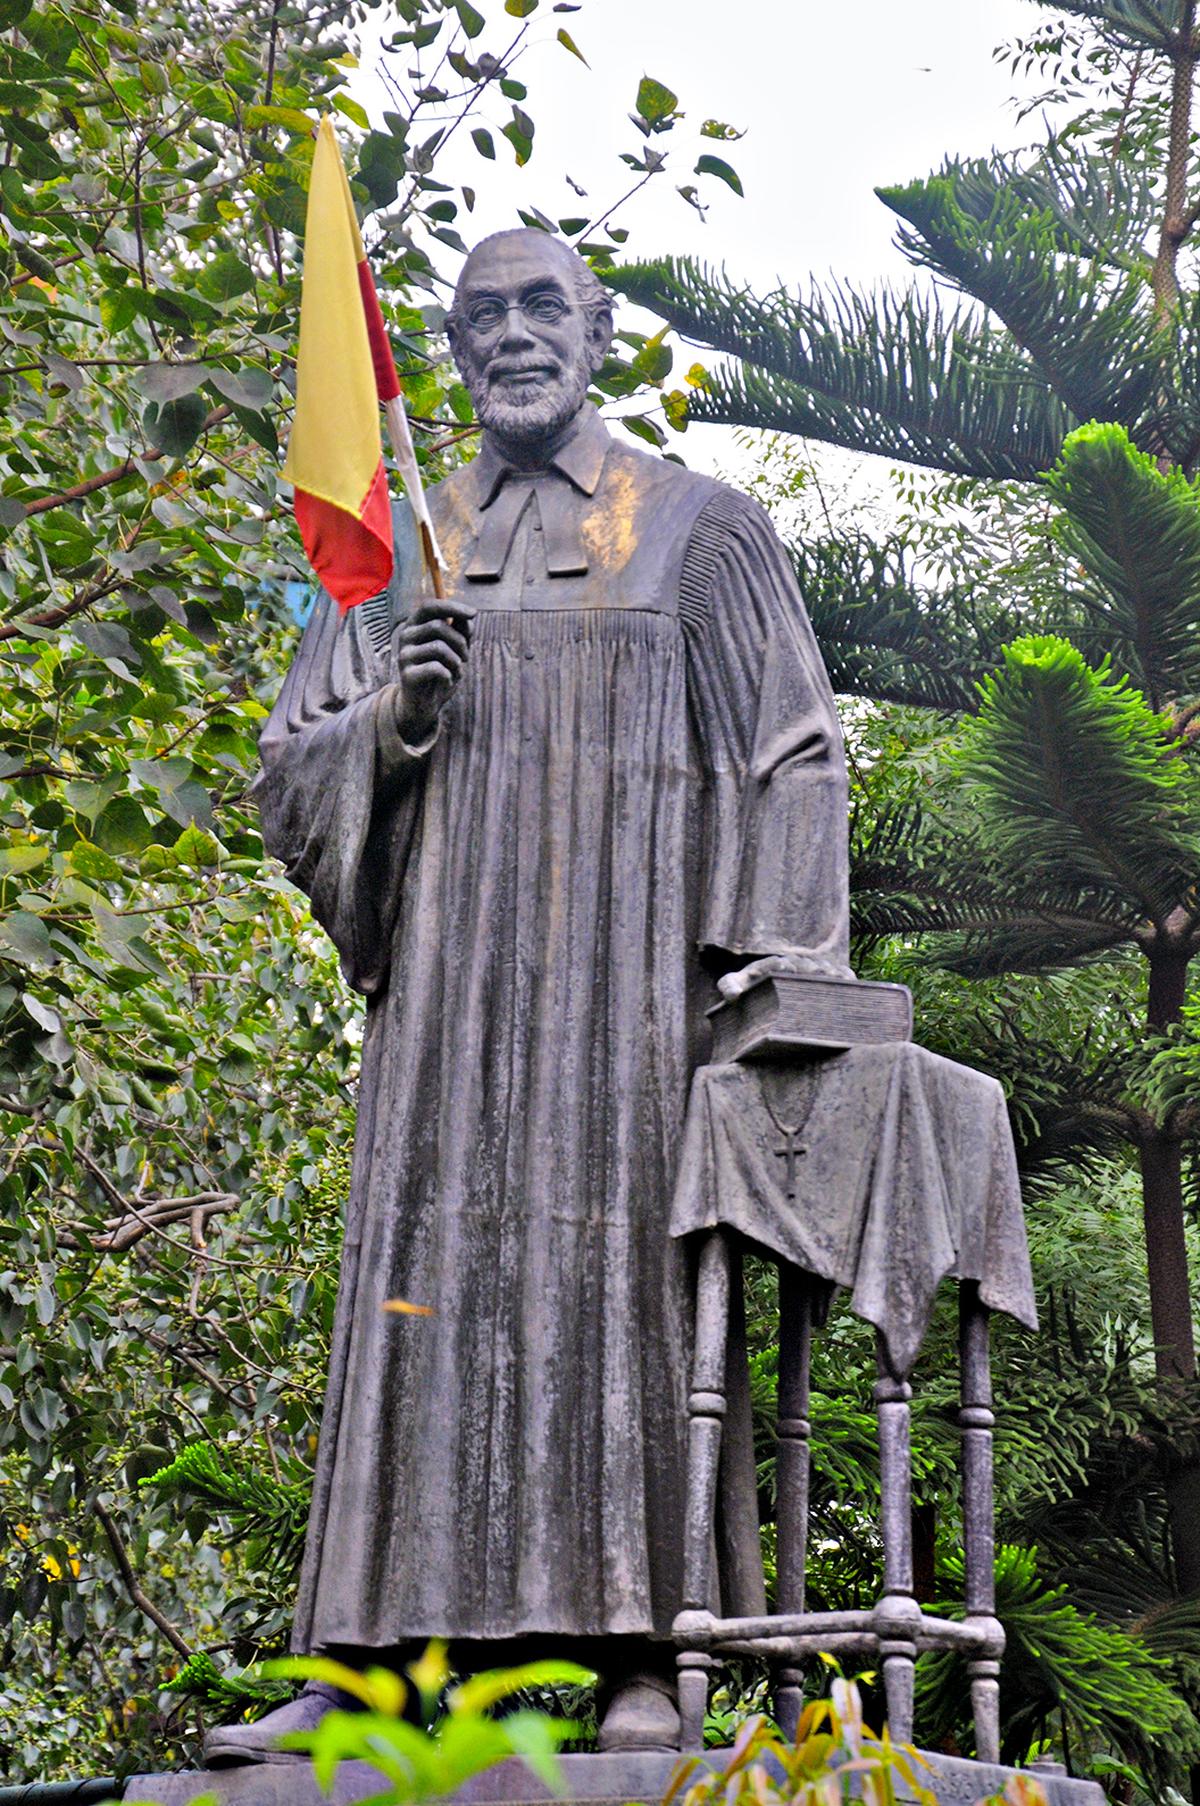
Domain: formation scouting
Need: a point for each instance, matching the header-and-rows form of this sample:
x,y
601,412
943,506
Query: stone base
x,y
591,1780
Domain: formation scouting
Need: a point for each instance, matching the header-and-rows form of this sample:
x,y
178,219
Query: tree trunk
x,y
1176,222
1167,1266
1166,1256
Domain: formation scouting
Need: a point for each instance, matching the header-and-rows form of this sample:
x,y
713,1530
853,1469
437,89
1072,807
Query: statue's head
x,y
530,326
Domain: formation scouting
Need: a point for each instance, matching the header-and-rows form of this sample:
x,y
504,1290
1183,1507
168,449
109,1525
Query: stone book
x,y
789,1013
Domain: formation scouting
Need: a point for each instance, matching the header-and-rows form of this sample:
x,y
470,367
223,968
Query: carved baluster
x,y
793,1433
976,1422
897,1617
706,1411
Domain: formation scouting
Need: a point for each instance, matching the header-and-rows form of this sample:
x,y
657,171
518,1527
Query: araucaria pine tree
x,y
1065,381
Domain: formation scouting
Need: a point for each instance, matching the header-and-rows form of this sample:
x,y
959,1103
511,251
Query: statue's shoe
x,y
233,1743
642,1715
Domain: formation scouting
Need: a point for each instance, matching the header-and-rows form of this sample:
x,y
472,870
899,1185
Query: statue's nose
x,y
515,331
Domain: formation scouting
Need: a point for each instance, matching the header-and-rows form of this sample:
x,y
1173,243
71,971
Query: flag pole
x,y
406,463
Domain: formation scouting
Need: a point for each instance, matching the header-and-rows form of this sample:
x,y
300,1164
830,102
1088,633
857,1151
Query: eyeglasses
x,y
489,313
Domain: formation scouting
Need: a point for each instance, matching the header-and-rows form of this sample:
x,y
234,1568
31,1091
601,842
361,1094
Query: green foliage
x,y
889,636
1096,1681
1090,332
1020,648
1142,24
253,1505
835,1757
227,1695
1078,779
1135,530
431,1761
178,1052
900,376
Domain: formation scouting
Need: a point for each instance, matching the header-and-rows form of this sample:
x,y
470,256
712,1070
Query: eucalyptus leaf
x,y
62,370
27,937
225,278
248,387
716,166
175,426
471,21
655,102
170,382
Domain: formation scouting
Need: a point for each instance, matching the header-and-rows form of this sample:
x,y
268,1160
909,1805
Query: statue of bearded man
x,y
539,820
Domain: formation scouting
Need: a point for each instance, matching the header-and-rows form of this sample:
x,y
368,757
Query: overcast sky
x,y
833,100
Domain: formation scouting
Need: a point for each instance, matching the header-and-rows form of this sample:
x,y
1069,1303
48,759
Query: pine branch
x,y
910,876
1091,334
1077,781
1136,531
1033,941
897,375
1140,24
1105,210
885,635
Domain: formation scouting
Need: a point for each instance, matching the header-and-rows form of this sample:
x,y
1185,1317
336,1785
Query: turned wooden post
x,y
897,1617
793,1433
706,1412
976,1422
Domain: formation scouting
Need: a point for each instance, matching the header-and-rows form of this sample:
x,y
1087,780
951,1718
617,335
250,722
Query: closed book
x,y
789,1013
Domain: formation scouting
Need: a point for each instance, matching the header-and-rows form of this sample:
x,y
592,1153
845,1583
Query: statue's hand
x,y
433,646
775,965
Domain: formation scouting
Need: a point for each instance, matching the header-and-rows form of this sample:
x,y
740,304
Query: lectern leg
x,y
897,1616
976,1422
793,1434
706,1411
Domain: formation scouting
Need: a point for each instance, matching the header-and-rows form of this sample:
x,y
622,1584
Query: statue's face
x,y
526,347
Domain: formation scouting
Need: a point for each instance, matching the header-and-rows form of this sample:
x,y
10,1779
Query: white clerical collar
x,y
580,459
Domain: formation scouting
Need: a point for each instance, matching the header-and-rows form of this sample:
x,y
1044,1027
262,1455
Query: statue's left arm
x,y
776,862
340,788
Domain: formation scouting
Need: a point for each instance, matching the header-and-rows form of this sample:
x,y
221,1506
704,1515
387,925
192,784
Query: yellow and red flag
x,y
344,370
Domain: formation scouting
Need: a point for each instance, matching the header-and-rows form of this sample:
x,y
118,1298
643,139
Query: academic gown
x,y
641,761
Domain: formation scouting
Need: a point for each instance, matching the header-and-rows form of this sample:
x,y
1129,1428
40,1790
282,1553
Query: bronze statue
x,y
539,820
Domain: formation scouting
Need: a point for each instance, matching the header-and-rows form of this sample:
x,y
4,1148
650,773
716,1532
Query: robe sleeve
x,y
339,789
775,861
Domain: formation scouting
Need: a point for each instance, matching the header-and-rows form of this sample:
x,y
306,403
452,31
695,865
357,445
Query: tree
x,y
1076,310
177,1051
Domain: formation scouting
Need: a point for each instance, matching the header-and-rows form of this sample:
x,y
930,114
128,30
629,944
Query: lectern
x,y
882,1169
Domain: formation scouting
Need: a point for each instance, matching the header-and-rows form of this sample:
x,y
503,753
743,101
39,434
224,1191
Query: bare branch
x,y
145,1605
115,473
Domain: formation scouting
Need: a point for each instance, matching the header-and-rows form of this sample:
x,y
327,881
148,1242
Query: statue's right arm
x,y
431,650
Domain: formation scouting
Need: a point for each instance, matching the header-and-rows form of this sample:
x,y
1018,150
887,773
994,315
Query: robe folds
x,y
641,761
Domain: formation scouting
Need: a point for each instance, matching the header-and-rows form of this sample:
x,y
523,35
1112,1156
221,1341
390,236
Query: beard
x,y
523,415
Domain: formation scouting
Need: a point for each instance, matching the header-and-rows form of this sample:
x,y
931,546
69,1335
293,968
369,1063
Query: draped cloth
x,y
641,761
907,1175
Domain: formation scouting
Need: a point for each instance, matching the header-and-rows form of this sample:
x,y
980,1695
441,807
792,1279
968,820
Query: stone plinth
x,y
591,1780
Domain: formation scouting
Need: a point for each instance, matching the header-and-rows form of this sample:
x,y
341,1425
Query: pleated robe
x,y
641,761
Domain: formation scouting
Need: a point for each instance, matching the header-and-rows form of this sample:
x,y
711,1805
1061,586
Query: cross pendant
x,y
790,1152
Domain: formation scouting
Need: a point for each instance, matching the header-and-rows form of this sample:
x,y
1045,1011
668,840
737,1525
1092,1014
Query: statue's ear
x,y
600,334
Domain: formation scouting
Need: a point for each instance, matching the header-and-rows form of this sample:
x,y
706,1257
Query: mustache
x,y
502,367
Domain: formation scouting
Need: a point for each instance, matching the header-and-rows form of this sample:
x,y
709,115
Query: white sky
x,y
833,100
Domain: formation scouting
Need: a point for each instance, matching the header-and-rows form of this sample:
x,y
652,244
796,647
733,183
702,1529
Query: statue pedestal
x,y
591,1780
